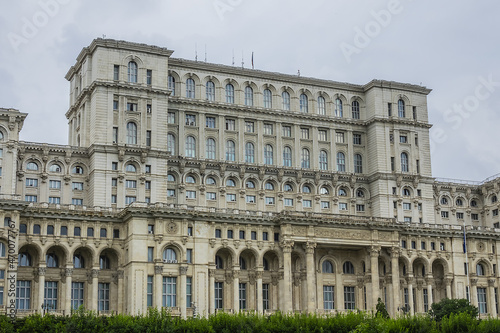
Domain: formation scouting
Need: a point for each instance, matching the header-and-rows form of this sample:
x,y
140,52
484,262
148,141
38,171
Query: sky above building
x,y
448,46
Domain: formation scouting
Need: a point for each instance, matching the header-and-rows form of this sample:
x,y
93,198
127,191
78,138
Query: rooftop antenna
x,y
298,72
242,60
205,52
195,52
233,57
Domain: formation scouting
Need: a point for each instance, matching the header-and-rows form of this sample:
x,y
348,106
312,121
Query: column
x,y
311,277
410,295
429,291
374,252
68,272
395,280
287,275
448,287
236,290
119,281
473,291
260,305
157,288
182,291
41,288
94,276
211,290
491,298
339,290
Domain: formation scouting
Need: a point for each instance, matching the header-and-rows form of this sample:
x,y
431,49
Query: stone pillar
x,y
448,281
287,246
410,296
157,288
41,288
374,253
211,291
311,277
429,291
395,280
119,282
491,298
260,305
236,290
182,291
94,279
338,293
473,291
68,272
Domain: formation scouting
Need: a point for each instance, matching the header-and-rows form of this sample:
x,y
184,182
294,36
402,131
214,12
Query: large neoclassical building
x,y
200,188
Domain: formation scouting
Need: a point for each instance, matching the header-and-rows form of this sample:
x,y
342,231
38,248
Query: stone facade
x,y
203,188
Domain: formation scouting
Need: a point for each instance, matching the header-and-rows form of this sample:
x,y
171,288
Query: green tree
x,y
381,310
448,306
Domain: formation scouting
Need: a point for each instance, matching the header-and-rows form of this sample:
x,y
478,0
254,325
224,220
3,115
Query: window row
x,y
63,231
54,167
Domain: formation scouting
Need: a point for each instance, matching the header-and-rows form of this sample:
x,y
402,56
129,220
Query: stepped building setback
x,y
201,188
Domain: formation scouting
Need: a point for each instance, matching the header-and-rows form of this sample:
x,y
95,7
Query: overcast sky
x,y
448,46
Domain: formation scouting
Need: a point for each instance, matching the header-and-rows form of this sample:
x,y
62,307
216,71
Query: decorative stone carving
x,y
158,269
309,247
183,270
211,273
287,245
172,228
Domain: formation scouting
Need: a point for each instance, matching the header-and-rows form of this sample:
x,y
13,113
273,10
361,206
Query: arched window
x,y
480,270
230,183
269,186
190,180
360,194
306,189
473,203
288,187
342,192
78,261
444,201
229,93
355,110
494,199
338,108
169,255
268,154
327,267
324,190
250,184
348,268
171,143
171,84
248,96
190,146
265,264
305,158
340,162
243,264
32,166
230,150
401,109
285,96
211,181
406,192
404,162
304,103
1,135
104,262
77,170
170,178
55,168
24,259
323,160
132,72
249,152
190,88
131,133
210,87
287,157
459,202
219,264
211,149
321,105
130,168
52,260
358,163
268,99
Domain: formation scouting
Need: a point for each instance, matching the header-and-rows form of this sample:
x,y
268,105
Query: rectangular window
x,y
276,236
147,184
288,202
103,296
250,198
150,254
116,72
2,274
64,230
149,291
230,234
495,212
114,166
403,139
54,200
406,300
349,298
31,182
116,104
467,293
230,125
148,168
243,295
475,217
422,245
189,291
219,298
116,233
130,199
132,107
481,300
265,296
171,118
441,246
231,197
55,184
211,196
392,163
90,232
77,202
131,184
77,186
287,131
113,198
413,245
114,182
189,256
210,122
30,198
169,294
190,194
170,193
360,208
415,112
339,137
190,120
249,127
418,166
389,109
306,203
433,246
50,295
265,236
269,200
426,300
304,132
148,138
151,229
406,205
268,129
190,231
149,77
328,298
23,295
77,231
356,139
322,135
253,235
403,244
242,234
444,214
342,206
460,216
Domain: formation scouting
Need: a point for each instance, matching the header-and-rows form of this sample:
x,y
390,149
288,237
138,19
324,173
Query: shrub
x,y
448,306
381,310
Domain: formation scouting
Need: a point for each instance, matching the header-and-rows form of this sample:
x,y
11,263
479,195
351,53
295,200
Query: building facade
x,y
202,188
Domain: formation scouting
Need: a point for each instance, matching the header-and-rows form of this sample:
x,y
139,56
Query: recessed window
x,y
249,126
268,129
132,72
306,203
268,99
229,93
338,108
355,110
270,200
32,166
190,180
231,197
306,189
55,168
250,199
230,183
304,103
211,181
288,202
287,131
325,205
210,91
285,96
250,184
190,88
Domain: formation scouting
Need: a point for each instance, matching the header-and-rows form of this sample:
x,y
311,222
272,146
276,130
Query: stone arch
x,y
179,250
34,250
334,260
416,267
61,252
274,259
113,255
404,262
251,258
87,253
486,265
228,256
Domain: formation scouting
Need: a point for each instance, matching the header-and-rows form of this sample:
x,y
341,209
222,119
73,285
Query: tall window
x,y
219,300
358,163
285,96
169,295
249,152
404,162
210,87
171,143
426,299
287,157
50,295
243,295
23,295
229,93
190,88
401,108
131,133
189,291
190,146
132,72
268,155
328,299
149,291
349,298
340,162
321,105
304,103
103,296
338,108
268,99
306,162
481,300
265,296
327,267
171,84
211,150
248,96
323,160
355,110
230,150
76,295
